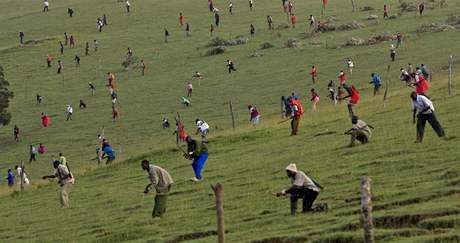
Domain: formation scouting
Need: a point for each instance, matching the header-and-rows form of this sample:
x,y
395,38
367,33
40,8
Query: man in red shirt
x,y
313,73
45,120
353,94
293,20
181,19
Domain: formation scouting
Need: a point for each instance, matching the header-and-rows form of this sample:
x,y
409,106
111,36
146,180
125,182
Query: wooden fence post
x,y
22,175
387,85
231,113
353,5
366,210
450,74
218,191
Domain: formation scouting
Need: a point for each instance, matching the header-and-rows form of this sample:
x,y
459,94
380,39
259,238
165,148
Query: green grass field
x,y
415,186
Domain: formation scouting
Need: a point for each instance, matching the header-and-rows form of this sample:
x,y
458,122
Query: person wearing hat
x,y
161,180
303,187
360,131
202,128
65,180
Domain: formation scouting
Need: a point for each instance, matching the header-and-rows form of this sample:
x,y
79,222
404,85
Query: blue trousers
x,y
198,164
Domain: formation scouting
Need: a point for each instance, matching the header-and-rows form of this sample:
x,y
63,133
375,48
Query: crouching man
x,y
302,188
360,131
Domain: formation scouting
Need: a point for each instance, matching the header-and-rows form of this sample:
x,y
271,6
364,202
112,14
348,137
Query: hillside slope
x,y
415,186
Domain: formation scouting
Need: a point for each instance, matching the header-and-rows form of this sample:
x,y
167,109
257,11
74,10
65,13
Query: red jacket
x,y
422,85
45,120
354,99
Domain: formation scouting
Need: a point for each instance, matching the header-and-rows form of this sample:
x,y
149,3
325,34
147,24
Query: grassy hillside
x,y
415,186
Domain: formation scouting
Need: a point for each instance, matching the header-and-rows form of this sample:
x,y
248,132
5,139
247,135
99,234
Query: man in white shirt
x,y
303,187
46,6
425,109
69,112
350,65
128,5
202,128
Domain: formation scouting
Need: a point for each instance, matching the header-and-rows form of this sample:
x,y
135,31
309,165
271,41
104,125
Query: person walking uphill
x,y
303,187
354,96
376,81
297,112
425,109
65,181
360,131
161,180
198,153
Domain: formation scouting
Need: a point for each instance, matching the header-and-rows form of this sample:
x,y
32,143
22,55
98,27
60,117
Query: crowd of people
x,y
302,186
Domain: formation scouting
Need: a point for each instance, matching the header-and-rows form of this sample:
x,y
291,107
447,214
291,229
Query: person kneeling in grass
x,y
360,131
303,187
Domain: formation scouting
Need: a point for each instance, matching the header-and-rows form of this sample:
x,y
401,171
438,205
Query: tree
x,y
5,96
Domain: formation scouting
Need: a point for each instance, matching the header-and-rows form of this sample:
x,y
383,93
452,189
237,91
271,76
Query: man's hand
x,y
282,193
44,177
146,190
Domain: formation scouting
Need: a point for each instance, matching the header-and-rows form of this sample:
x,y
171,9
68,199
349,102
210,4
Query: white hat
x,y
292,167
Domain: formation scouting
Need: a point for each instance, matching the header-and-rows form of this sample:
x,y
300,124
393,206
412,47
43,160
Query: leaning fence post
x,y
22,175
353,5
387,85
366,209
233,116
450,75
218,190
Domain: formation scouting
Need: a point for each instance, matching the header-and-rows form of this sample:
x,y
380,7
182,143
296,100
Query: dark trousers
x,y
32,158
308,196
431,118
358,135
160,202
295,125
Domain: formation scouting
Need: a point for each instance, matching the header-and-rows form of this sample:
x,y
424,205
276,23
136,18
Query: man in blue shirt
x,y
377,82
10,178
108,152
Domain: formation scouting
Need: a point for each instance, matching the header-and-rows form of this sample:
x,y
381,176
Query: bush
x,y
367,8
292,43
326,27
215,42
434,27
255,54
281,26
266,45
408,7
351,26
454,20
372,17
215,51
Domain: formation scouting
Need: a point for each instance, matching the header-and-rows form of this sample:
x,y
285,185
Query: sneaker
x,y
195,179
